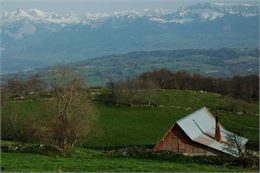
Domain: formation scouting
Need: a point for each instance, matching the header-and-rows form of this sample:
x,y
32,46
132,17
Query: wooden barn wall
x,y
176,140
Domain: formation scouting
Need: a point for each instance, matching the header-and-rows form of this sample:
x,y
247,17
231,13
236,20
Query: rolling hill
x,y
207,62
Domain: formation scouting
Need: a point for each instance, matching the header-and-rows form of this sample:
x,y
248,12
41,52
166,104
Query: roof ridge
x,y
205,133
203,108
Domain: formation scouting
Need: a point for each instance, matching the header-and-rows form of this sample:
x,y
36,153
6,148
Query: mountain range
x,y
34,38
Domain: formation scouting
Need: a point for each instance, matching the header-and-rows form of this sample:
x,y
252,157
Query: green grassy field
x,y
97,161
125,125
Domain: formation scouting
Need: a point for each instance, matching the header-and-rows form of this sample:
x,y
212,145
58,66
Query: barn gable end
x,y
177,141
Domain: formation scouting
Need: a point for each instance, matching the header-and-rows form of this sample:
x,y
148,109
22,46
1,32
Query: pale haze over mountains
x,y
33,38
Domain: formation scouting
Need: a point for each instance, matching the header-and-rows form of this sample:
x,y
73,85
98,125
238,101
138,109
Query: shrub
x,y
42,149
250,162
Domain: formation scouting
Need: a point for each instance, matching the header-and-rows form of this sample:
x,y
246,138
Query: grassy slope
x,y
131,125
89,160
146,125
121,125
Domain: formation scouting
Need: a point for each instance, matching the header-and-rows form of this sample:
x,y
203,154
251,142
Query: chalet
x,y
200,133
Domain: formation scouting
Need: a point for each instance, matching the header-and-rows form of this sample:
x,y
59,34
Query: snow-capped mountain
x,y
32,38
203,12
208,12
37,16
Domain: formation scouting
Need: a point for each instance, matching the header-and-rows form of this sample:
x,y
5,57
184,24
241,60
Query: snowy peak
x,y
36,13
233,9
38,16
209,12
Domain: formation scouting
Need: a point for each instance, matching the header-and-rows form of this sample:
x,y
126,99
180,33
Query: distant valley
x,y
208,62
35,39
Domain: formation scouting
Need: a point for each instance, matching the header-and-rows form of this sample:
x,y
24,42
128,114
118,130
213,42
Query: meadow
x,y
142,124
82,160
122,125
96,161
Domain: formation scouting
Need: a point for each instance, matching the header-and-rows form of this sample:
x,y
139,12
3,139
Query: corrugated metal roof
x,y
200,128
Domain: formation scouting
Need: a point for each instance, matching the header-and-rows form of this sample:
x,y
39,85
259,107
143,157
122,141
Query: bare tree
x,y
34,84
15,88
4,94
18,126
73,113
235,144
135,91
147,90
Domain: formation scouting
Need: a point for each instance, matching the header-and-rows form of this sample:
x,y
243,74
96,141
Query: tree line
x,y
15,88
242,87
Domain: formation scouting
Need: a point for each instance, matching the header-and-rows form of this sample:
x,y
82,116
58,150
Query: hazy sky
x,y
103,5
